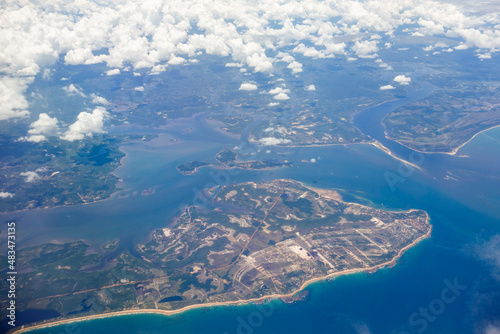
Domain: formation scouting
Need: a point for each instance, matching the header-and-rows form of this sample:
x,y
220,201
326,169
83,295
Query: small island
x,y
257,240
191,167
228,158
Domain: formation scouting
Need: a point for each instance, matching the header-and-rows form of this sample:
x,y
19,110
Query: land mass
x,y
444,121
256,241
228,158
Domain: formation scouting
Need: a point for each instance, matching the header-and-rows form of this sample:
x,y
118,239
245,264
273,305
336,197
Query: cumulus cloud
x,y
271,141
279,93
73,90
31,176
248,86
484,56
114,71
402,79
153,35
278,90
4,194
96,99
295,66
82,56
366,49
33,138
387,87
281,96
311,88
87,125
139,89
44,126
12,100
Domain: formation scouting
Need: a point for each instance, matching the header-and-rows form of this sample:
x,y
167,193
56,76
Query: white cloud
x,y
387,87
260,62
87,125
4,194
365,49
484,56
176,60
139,89
151,34
248,86
83,56
96,99
271,141
12,100
461,47
31,176
402,79
114,71
276,90
311,88
295,66
73,90
34,138
281,96
44,126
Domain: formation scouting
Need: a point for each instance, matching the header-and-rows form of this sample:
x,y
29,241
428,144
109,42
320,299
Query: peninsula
x,y
257,241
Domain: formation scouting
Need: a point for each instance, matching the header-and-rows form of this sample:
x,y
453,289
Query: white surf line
x,y
384,149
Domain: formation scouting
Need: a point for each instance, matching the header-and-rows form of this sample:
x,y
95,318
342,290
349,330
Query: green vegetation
x,y
229,159
226,156
270,237
63,173
444,120
191,167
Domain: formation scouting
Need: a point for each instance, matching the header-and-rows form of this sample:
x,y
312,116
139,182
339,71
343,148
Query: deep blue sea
x,y
449,283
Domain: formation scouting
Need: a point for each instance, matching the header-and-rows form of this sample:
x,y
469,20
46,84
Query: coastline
x,y
372,269
453,151
374,143
381,147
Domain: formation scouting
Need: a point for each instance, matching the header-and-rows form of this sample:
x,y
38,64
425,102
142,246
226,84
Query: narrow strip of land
x,y
102,288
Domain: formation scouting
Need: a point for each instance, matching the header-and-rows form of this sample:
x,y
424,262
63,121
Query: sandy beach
x,y
453,152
